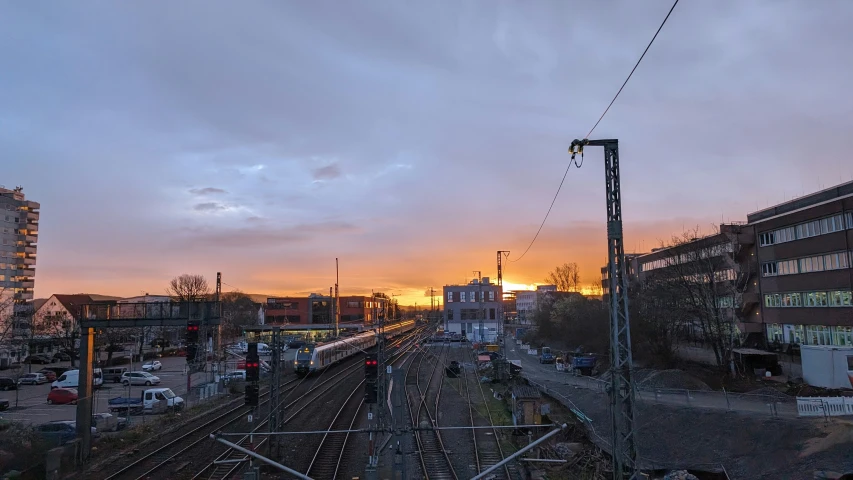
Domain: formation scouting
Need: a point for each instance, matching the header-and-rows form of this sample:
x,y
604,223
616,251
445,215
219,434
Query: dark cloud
x,y
207,191
329,172
209,207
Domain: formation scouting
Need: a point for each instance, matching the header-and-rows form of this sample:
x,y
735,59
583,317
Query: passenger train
x,y
312,358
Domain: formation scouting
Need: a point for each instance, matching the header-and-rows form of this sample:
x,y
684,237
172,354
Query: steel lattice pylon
x,y
621,360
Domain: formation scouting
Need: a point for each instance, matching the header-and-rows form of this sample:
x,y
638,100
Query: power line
x,y
573,161
632,70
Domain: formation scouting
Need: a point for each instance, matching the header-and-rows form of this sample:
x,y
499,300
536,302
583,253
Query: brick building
x,y
316,309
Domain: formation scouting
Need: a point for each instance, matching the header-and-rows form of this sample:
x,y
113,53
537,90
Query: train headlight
x,y
312,362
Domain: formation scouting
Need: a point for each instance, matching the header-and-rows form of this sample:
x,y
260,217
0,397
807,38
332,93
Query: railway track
x,y
327,459
168,454
435,462
231,461
487,446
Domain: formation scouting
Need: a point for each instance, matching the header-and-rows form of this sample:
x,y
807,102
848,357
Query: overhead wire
x,y
573,161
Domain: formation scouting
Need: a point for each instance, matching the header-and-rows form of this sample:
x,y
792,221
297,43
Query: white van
x,y
71,379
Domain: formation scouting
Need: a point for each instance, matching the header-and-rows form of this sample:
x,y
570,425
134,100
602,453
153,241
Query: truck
x,y
152,400
546,356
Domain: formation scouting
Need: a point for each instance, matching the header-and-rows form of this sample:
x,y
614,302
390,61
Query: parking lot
x,y
32,399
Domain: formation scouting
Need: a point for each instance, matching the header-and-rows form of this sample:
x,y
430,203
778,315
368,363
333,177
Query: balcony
x,y
27,273
23,296
32,216
27,261
26,249
31,238
28,284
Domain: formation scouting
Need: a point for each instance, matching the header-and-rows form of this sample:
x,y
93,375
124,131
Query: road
x,y
549,376
32,399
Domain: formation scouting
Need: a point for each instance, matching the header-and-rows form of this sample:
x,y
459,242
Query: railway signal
x,y
371,368
192,332
253,363
252,395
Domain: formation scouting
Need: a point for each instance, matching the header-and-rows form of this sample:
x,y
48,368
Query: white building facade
x,y
525,302
18,237
474,310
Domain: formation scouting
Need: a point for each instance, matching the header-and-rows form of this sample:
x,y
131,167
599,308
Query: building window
x,y
832,224
491,314
849,216
769,269
787,267
462,297
843,336
774,332
765,239
449,314
449,297
818,335
491,295
725,302
811,264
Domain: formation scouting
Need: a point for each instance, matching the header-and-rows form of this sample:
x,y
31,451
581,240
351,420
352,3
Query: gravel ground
x,y
749,447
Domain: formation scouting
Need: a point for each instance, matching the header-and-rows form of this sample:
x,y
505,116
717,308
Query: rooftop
x,y
810,200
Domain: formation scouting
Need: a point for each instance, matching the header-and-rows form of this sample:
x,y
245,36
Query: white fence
x,y
824,406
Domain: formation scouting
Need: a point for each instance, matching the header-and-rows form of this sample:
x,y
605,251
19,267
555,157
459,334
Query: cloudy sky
x,y
410,139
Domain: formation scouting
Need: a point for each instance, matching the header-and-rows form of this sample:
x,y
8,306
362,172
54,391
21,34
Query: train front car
x,y
304,363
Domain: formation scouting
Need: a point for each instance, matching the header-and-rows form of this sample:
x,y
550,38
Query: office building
x,y
804,251
526,301
319,309
474,310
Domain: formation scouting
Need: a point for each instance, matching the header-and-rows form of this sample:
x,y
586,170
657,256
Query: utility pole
x,y
480,314
621,360
275,393
337,301
500,266
398,402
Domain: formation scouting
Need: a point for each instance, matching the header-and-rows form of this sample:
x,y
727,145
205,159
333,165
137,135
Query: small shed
x,y
526,406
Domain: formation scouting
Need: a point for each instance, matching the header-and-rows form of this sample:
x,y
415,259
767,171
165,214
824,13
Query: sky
x,y
410,140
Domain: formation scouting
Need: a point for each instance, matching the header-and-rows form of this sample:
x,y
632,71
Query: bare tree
x,y
595,289
656,321
699,284
188,288
566,277
238,310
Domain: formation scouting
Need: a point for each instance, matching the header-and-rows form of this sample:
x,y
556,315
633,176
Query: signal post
x,y
371,394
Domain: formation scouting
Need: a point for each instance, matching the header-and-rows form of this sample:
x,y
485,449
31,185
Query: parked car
x,y
151,366
61,357
49,374
60,432
32,379
40,359
139,378
4,405
62,396
7,383
114,374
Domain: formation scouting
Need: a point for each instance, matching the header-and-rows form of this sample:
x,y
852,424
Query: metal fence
x,y
604,444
